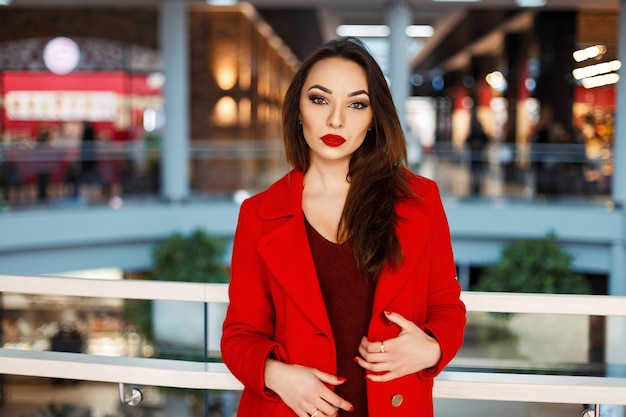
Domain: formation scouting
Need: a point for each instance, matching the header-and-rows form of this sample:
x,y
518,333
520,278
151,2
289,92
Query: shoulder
x,y
423,187
279,199
426,199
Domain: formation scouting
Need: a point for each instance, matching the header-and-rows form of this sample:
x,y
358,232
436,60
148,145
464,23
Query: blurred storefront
x,y
57,71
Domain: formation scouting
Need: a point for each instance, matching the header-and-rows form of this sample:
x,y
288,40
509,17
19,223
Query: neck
x,y
326,178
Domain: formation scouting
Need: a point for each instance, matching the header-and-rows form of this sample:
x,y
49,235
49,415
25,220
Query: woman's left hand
x,y
411,351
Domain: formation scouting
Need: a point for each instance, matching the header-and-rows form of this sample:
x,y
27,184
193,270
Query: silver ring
x,y
382,347
315,413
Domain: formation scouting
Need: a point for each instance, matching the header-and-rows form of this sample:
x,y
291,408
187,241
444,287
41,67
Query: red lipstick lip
x,y
333,140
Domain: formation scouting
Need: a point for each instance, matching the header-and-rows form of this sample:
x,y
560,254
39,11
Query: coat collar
x,y
283,198
286,251
285,248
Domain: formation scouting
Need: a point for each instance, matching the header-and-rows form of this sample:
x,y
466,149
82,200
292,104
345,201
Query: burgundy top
x,y
349,298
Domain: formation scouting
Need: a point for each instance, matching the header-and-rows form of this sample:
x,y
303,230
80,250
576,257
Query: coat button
x,y
396,400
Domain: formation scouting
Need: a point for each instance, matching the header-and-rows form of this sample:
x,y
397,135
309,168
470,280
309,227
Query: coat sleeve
x,y
446,315
248,329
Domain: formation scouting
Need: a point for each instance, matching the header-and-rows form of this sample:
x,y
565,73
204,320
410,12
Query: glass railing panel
x,y
161,329
68,324
454,408
62,174
220,168
48,397
223,167
536,345
531,357
534,172
550,344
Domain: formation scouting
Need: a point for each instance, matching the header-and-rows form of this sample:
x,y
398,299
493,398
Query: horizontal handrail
x,y
104,288
595,305
200,375
116,369
500,302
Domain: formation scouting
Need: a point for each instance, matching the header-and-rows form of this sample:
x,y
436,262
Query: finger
x,y
333,402
364,342
324,410
381,377
377,367
339,403
329,378
399,320
370,347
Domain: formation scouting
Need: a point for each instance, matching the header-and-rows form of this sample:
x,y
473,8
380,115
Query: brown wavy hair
x,y
378,168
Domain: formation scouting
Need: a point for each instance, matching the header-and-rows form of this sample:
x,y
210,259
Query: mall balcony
x,y
559,355
74,248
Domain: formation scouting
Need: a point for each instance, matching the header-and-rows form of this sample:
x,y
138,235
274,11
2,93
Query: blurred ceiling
x,y
459,26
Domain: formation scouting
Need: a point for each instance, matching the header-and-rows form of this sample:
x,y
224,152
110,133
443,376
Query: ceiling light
x,y
601,80
530,3
5,2
456,1
598,69
221,2
419,31
382,31
591,52
363,31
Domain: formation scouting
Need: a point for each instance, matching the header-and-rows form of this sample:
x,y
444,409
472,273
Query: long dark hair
x,y
378,169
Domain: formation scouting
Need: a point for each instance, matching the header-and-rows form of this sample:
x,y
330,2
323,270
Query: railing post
x,y
131,396
206,354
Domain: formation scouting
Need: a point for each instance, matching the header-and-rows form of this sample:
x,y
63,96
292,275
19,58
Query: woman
x,y
343,297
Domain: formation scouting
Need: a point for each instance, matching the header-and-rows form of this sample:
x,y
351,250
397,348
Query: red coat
x,y
276,305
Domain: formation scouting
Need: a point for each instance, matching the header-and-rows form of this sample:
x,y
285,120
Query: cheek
x,y
307,132
362,133
359,140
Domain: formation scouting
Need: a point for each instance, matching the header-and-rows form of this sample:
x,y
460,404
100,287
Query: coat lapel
x,y
286,252
412,237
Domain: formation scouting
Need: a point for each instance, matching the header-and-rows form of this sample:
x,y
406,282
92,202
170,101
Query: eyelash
x,y
358,105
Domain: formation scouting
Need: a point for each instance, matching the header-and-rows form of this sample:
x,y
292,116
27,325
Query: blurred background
x,y
130,130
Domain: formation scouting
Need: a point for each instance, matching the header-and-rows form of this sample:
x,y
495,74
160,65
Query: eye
x,y
317,99
358,105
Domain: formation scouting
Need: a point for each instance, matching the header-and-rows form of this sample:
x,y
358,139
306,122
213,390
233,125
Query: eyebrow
x,y
329,91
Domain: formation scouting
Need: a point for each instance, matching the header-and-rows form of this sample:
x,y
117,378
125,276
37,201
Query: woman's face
x,y
335,109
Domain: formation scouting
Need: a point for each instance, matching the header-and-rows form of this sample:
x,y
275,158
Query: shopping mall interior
x,y
124,123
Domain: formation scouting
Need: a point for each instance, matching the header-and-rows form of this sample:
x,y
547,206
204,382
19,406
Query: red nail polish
x,y
351,409
342,379
355,359
387,321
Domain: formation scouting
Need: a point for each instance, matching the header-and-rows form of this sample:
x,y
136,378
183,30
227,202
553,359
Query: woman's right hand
x,y
303,389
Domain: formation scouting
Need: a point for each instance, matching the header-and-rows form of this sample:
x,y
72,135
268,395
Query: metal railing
x,y
201,375
131,168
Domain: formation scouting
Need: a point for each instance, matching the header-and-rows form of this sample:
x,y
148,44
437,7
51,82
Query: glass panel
x,y
45,397
468,408
540,343
109,327
126,171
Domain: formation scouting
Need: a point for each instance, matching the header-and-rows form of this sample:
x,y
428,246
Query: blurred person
x,y
343,296
477,141
88,171
9,175
44,162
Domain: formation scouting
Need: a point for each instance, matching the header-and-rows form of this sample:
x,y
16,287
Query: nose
x,y
335,118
